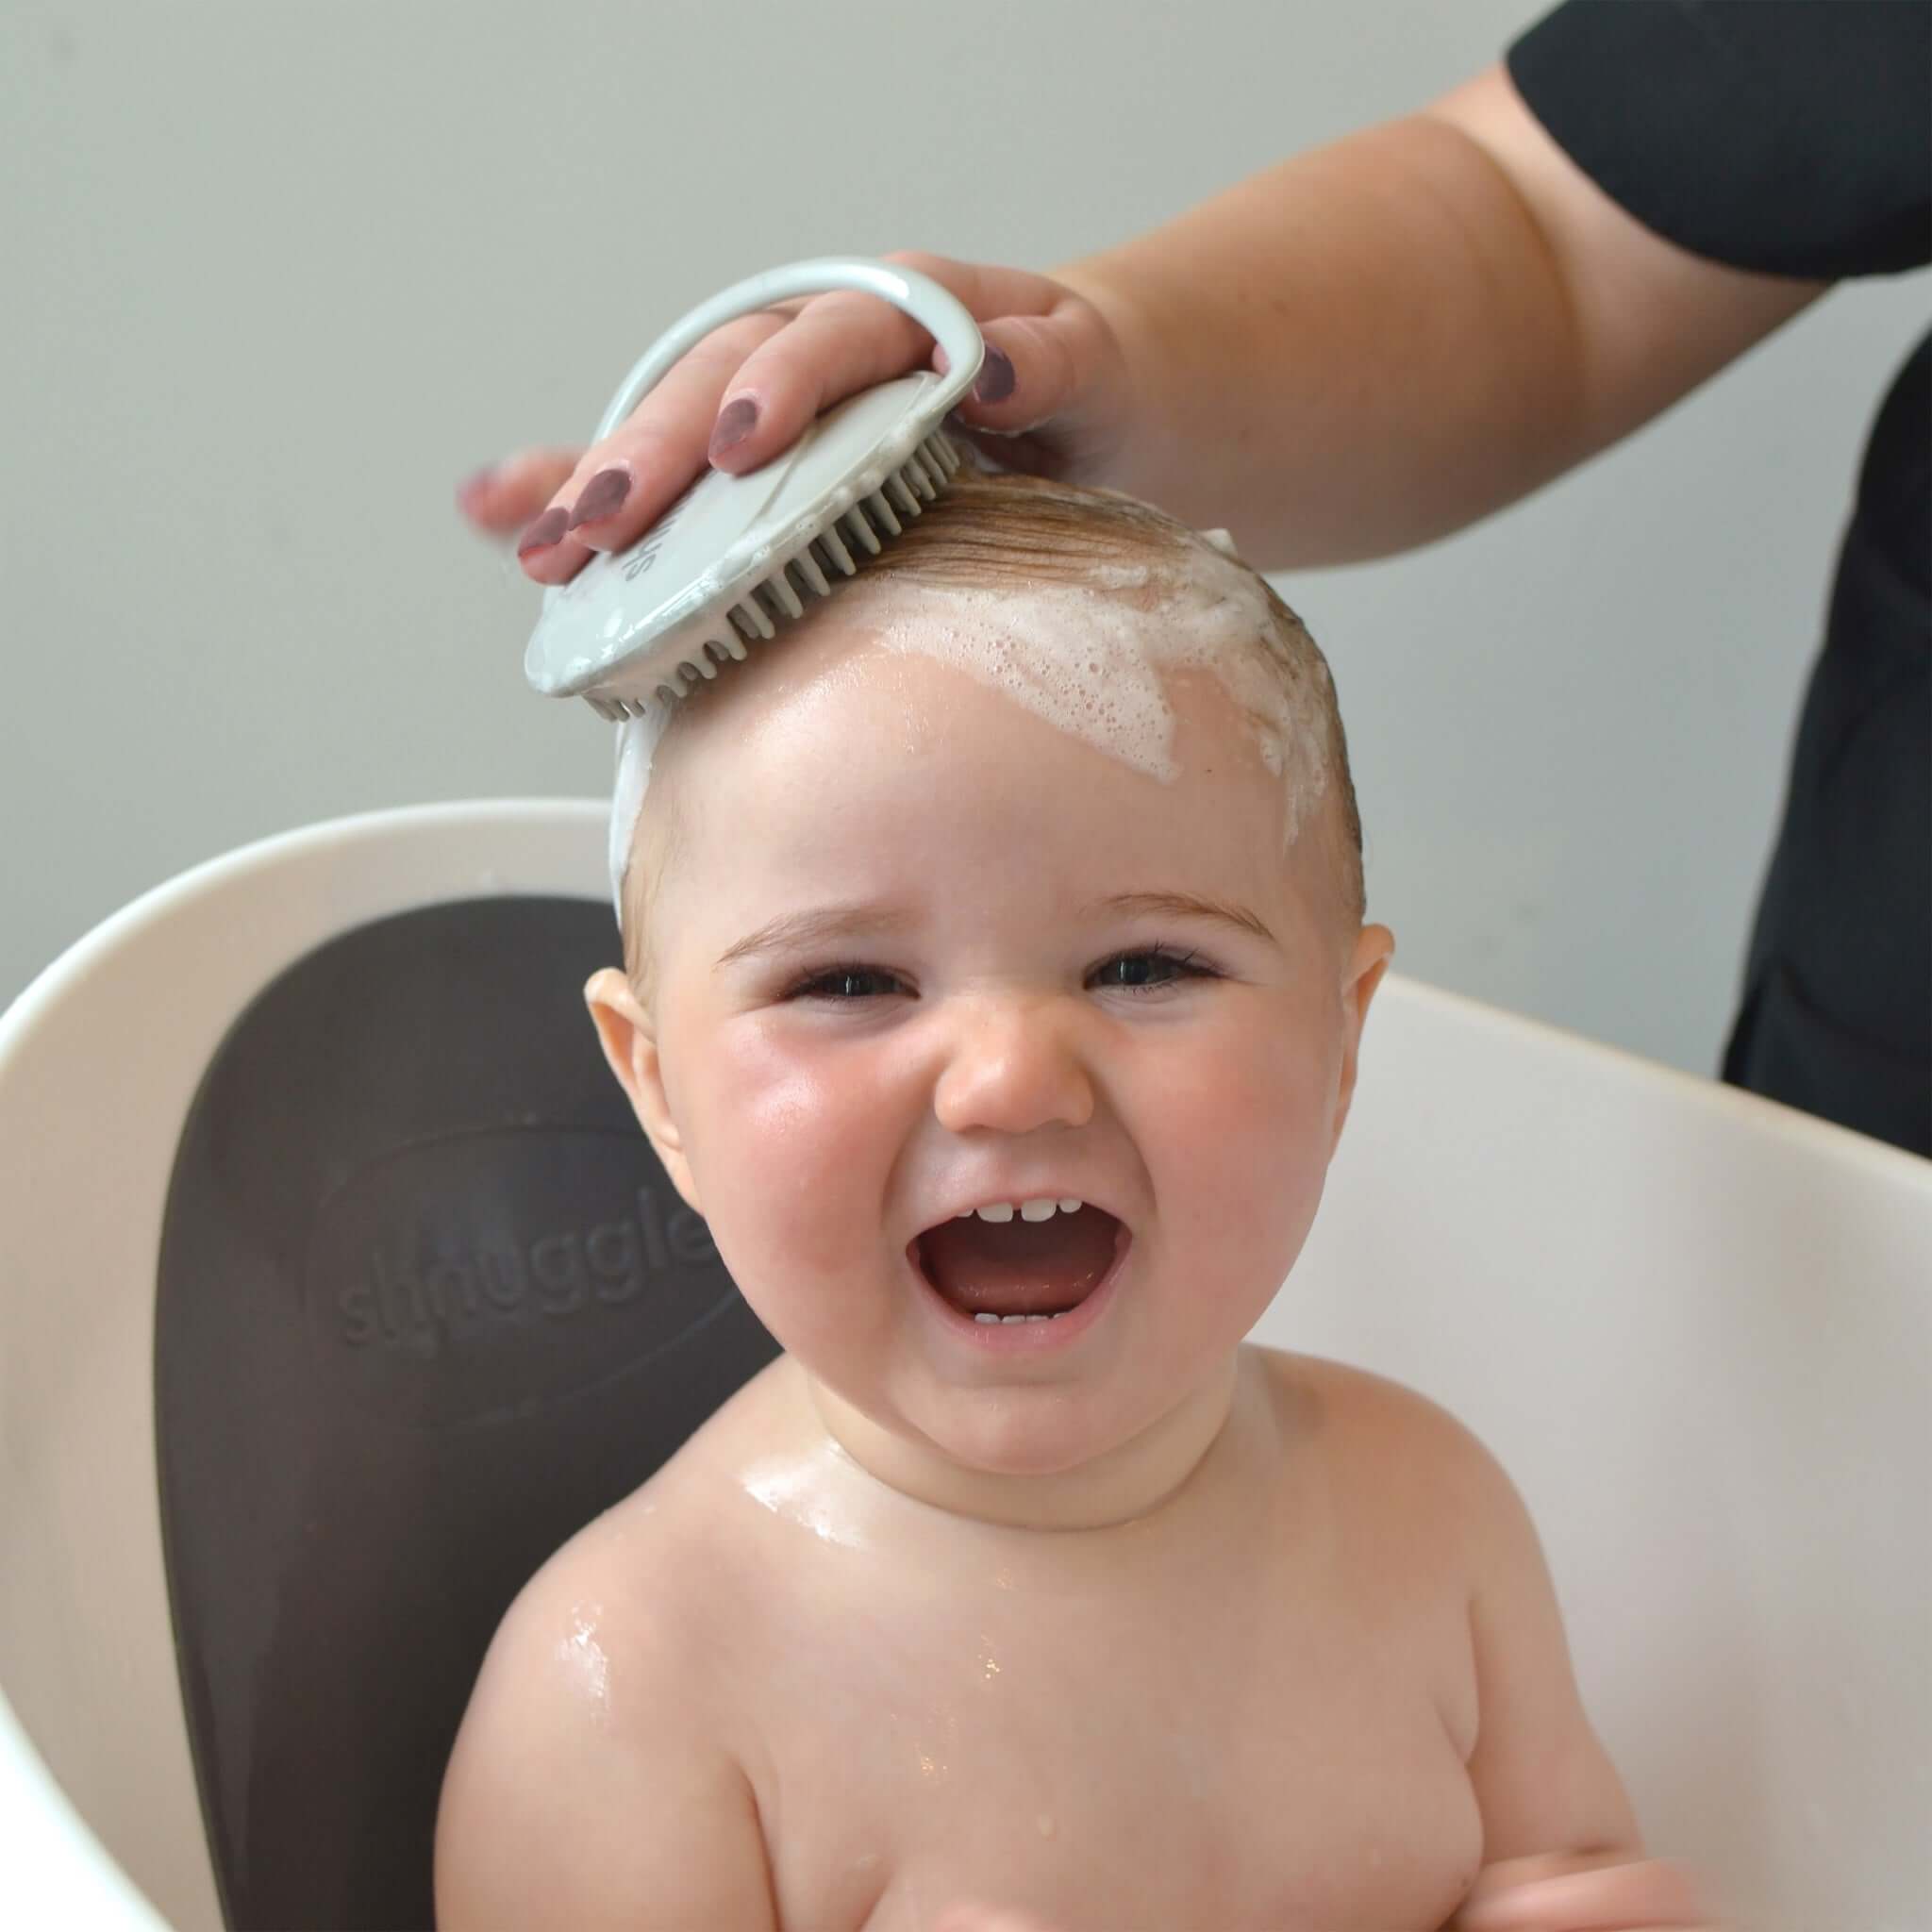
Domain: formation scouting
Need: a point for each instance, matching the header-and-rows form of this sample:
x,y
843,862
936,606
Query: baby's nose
x,y
1012,1067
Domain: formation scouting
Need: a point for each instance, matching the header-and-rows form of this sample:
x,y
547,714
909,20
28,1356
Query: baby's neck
x,y
1128,1484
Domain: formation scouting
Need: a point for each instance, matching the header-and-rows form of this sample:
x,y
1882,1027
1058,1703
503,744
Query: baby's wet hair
x,y
988,533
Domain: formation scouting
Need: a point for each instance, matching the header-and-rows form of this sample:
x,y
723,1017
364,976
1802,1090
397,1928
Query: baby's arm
x,y
582,1802
1602,1894
1560,1845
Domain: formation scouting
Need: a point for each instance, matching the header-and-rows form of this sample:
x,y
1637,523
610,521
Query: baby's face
x,y
918,953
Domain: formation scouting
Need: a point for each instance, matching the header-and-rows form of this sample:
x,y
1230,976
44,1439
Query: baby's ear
x,y
1373,947
629,1039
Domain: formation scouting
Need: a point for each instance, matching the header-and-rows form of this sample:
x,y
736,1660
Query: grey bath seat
x,y
356,1291
426,1304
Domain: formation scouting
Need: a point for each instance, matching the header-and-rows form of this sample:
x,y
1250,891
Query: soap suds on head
x,y
1090,657
1083,606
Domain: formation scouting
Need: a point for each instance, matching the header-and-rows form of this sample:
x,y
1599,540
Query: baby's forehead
x,y
891,748
1162,659
1120,659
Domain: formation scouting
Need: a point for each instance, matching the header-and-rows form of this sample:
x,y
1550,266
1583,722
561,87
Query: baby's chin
x,y
923,1437
1044,1432
1031,1433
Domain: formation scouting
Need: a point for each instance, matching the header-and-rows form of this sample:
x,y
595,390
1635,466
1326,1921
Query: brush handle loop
x,y
935,308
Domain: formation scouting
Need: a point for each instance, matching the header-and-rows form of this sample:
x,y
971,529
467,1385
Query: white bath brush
x,y
735,557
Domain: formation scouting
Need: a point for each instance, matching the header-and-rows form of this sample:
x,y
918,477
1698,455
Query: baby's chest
x,y
1117,1776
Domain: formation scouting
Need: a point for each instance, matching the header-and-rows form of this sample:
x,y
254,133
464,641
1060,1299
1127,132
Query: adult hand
x,y
1561,1893
1050,398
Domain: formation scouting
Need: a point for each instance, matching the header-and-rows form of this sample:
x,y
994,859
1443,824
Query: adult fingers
x,y
500,498
621,486
1048,354
837,346
1053,371
1057,372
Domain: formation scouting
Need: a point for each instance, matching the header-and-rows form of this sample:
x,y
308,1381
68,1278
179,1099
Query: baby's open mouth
x,y
1010,1267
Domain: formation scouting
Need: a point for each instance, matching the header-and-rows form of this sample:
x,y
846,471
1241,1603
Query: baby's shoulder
x,y
603,1700
1318,1395
651,1580
1387,1449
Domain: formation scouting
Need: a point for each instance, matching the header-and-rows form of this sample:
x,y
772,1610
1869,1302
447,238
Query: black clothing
x,y
1794,137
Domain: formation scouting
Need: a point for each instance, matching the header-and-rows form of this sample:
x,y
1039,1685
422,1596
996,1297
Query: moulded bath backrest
x,y
1696,1328
426,1304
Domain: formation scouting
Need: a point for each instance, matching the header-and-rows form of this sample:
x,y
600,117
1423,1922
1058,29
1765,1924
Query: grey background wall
x,y
274,277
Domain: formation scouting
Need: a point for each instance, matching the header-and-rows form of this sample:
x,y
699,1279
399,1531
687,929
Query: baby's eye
x,y
1153,967
846,983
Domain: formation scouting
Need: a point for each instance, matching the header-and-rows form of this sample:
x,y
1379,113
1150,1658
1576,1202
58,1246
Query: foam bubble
x,y
1091,658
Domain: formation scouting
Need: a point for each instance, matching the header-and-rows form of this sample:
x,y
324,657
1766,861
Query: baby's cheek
x,y
1246,1125
785,1154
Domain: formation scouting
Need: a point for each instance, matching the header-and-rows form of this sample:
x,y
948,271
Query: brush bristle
x,y
836,551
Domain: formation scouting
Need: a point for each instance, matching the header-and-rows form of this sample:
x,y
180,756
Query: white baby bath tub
x,y
1696,1327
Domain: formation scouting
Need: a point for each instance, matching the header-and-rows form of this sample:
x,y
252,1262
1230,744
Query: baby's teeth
x,y
1012,1318
983,1317
1039,1209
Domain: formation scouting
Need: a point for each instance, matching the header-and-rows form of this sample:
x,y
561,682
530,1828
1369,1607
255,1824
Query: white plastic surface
x,y
99,1060
1696,1326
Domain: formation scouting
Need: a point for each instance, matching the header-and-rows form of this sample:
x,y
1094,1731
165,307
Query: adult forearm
x,y
1354,352
1380,341
1359,349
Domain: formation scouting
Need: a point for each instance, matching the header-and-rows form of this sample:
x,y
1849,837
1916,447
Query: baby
x,y
995,969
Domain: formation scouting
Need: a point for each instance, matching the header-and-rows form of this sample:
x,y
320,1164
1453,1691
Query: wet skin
x,y
1126,1625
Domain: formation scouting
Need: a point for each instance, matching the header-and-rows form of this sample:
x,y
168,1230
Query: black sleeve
x,y
1792,137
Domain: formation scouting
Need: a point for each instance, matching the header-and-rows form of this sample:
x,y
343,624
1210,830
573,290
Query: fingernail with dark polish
x,y
736,420
996,381
547,530
603,498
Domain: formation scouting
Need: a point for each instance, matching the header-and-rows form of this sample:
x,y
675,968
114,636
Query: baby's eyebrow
x,y
822,926
829,925
1183,906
